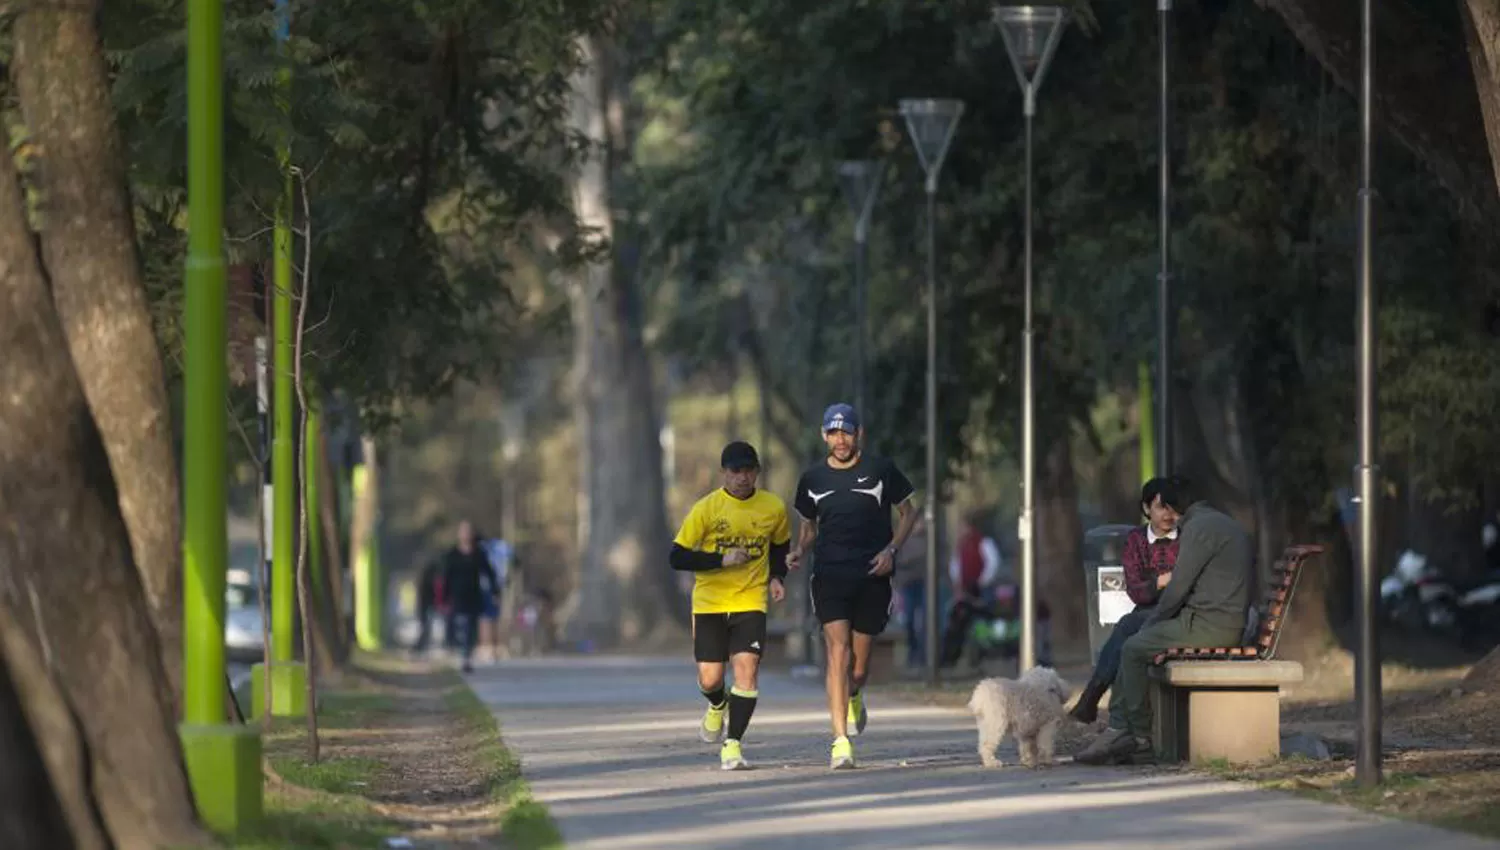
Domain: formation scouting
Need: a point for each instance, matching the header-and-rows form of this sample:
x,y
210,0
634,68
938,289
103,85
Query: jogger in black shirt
x,y
845,503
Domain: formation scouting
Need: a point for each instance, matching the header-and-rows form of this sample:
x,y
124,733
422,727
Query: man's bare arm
x,y
807,534
906,514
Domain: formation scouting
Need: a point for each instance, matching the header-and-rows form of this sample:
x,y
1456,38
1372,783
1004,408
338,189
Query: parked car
x,y
243,638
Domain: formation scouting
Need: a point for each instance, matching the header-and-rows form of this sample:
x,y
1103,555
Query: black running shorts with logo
x,y
716,637
865,601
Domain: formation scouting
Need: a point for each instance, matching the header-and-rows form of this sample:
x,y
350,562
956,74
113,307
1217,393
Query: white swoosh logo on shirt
x,y
818,497
874,492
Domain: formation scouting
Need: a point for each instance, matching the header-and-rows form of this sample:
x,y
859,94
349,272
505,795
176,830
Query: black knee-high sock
x,y
741,706
715,697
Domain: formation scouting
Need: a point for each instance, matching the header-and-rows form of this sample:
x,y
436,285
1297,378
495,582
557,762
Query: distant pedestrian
x,y
469,580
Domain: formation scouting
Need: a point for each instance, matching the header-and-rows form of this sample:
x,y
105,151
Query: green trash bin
x,y
1104,577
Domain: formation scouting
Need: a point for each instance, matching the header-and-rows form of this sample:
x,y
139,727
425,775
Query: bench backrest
x,y
1277,603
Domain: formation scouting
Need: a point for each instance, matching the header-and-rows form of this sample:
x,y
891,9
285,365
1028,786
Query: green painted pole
x,y
283,445
222,760
366,578
1148,431
205,458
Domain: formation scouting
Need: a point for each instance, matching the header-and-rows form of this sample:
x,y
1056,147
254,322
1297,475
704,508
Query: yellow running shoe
x,y
711,730
858,717
730,757
842,757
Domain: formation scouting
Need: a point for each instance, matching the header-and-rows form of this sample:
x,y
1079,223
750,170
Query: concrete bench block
x,y
1209,710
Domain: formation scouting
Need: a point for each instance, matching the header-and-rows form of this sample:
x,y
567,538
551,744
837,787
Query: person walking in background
x,y
428,587
469,579
1149,553
497,552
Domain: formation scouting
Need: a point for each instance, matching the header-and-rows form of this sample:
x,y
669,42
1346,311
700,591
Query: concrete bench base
x,y
1209,710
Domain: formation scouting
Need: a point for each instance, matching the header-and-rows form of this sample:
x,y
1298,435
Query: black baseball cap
x,y
739,455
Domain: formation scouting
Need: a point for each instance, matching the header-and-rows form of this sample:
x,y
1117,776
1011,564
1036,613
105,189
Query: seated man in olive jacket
x,y
1203,605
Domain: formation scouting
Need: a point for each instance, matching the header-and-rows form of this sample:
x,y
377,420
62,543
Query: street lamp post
x,y
1165,319
1367,661
1031,35
932,123
860,181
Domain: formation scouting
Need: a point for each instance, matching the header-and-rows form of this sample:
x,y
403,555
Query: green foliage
x,y
428,142
751,106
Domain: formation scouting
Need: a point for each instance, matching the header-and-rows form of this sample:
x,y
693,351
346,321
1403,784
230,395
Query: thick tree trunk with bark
x,y
1482,35
77,633
31,816
625,590
89,253
1060,549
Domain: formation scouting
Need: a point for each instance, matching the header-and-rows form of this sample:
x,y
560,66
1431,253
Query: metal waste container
x,y
1104,576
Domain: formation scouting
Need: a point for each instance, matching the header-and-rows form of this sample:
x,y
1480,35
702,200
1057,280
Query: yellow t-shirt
x,y
720,522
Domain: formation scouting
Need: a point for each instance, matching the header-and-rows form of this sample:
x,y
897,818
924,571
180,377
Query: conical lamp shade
x,y
860,181
931,123
1030,34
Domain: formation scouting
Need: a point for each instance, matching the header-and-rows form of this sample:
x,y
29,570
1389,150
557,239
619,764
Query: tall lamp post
x,y
860,181
1031,35
931,123
1165,319
1367,766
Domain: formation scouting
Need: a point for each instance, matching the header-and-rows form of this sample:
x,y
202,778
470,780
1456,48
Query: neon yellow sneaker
x,y
858,717
842,757
730,757
711,730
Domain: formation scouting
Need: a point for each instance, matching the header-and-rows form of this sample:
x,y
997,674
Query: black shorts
x,y
716,637
865,601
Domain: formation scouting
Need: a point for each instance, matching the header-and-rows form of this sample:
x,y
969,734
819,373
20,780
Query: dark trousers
x,y
914,600
467,625
1108,665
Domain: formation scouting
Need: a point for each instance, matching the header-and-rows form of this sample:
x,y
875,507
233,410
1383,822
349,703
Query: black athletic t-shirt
x,y
853,510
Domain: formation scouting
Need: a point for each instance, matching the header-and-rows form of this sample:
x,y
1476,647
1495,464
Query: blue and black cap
x,y
840,417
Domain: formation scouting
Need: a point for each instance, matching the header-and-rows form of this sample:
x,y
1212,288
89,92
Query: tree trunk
x,y
70,595
1060,546
89,254
31,815
1482,34
333,554
625,591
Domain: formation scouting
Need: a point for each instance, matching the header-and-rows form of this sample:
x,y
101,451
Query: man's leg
x,y
471,638
836,639
1105,670
710,650
911,598
1132,690
872,611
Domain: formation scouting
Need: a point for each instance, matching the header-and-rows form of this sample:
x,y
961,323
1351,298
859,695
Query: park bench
x,y
1225,702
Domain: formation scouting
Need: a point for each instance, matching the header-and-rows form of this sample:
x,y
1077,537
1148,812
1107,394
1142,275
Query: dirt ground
x,y
409,758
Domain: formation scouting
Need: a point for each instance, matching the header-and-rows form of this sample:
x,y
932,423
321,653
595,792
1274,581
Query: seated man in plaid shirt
x,y
1150,553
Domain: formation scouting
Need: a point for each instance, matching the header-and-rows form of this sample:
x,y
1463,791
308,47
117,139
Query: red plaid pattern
x,y
1144,562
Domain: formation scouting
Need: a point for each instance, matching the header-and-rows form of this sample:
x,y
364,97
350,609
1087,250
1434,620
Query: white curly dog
x,y
1030,709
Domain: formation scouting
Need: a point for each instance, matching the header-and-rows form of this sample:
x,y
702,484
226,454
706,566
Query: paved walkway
x,y
609,745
